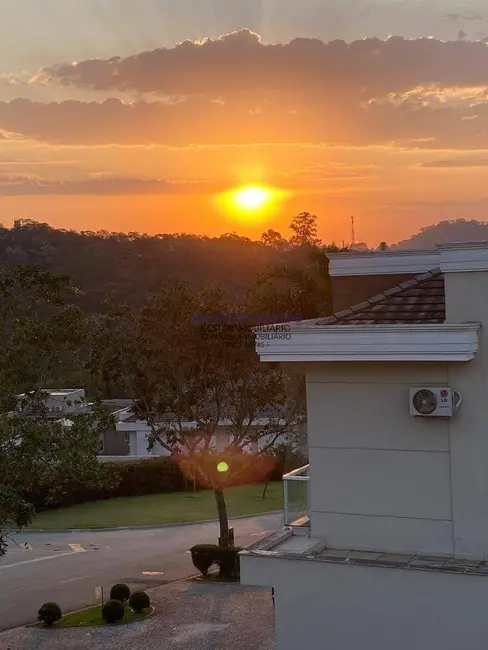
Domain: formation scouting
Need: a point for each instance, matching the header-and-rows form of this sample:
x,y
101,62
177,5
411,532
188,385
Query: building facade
x,y
394,547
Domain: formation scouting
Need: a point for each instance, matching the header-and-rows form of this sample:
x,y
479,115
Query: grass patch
x,y
156,509
93,616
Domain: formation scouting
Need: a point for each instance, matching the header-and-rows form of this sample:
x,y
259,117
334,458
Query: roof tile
x,y
420,300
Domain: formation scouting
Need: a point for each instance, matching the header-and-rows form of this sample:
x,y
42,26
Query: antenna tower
x,y
353,234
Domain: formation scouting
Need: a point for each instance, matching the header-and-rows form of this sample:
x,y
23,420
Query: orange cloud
x,y
30,184
239,63
236,90
200,121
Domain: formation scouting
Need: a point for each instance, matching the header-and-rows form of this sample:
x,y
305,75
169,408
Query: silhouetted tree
x,y
304,227
273,238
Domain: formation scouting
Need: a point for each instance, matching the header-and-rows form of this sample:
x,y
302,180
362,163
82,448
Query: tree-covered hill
x,y
130,266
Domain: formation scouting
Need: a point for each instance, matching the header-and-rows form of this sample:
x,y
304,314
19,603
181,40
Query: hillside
x,y
447,232
129,266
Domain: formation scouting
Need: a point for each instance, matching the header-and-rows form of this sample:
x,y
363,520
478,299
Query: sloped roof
x,y
269,412
118,404
419,300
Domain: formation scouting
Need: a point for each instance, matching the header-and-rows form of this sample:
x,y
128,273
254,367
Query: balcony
x,y
296,497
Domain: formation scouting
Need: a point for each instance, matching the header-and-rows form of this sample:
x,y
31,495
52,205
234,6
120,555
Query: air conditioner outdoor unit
x,y
440,402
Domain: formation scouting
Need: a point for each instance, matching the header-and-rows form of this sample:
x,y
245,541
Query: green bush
x,y
49,613
125,479
139,600
120,592
203,557
287,459
226,558
228,561
113,611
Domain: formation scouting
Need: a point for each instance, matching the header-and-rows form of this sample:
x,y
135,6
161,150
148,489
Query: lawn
x,y
155,509
93,616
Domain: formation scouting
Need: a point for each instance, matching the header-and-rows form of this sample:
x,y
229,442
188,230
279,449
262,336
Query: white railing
x,y
296,494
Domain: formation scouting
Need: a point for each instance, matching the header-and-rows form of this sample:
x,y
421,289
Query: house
x,y
387,538
58,402
61,403
136,433
127,438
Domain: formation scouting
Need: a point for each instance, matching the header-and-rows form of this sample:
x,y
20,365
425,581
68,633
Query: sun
x,y
252,197
249,203
252,205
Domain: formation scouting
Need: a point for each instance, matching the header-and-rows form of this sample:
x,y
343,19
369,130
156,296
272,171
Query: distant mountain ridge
x,y
130,266
446,232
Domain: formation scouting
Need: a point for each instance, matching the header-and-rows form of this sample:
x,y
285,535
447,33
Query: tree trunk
x,y
223,520
266,487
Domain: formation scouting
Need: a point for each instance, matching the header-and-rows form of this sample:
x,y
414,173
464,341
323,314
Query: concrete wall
x,y
379,478
467,300
114,443
346,607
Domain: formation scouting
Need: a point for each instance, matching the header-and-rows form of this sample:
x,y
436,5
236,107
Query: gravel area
x,y
188,615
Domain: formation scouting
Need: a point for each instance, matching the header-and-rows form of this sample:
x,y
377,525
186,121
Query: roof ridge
x,y
384,295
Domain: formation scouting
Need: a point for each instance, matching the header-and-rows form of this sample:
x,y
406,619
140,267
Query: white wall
x,y
379,478
346,607
467,300
138,441
60,402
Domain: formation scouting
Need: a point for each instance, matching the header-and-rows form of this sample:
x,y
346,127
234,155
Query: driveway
x,y
66,567
188,615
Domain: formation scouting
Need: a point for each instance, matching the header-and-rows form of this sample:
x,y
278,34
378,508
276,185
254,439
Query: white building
x,y
391,551
136,432
60,402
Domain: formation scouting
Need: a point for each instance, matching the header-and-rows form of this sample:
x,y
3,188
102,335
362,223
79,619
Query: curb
x,y
152,527
86,627
82,609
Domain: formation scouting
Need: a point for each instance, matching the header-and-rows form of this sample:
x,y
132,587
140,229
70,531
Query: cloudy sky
x,y
135,115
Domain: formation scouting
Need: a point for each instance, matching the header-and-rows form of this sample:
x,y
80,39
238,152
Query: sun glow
x,y
251,203
252,197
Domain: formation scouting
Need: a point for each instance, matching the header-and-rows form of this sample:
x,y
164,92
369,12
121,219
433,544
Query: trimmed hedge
x,y
139,600
228,561
49,613
125,479
287,459
226,558
203,557
140,477
120,592
113,611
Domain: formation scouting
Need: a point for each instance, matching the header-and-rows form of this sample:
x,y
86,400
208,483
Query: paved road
x,y
66,567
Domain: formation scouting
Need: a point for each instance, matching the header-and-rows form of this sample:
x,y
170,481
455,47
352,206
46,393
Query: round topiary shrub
x,y
49,613
113,611
203,557
120,592
139,600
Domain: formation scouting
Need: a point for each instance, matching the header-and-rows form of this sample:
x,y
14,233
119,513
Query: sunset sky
x,y
139,115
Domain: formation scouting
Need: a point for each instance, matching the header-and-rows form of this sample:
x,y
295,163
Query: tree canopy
x,y
188,372
42,334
